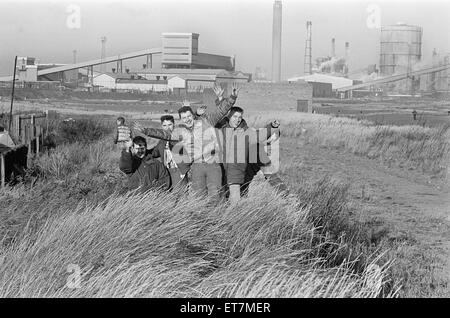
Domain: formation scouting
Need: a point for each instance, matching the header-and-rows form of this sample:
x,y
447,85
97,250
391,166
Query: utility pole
x,y
12,95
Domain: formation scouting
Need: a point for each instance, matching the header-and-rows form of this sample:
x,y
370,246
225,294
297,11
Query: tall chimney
x,y
308,49
347,56
276,42
333,48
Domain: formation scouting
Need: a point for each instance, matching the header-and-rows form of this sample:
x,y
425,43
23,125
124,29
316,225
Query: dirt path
x,y
408,202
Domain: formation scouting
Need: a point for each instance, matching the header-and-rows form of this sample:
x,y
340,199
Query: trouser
x,y
235,192
207,179
175,179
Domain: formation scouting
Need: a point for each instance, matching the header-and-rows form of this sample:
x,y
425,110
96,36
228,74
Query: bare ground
x,y
410,204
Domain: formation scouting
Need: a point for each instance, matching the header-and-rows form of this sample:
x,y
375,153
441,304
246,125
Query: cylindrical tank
x,y
400,48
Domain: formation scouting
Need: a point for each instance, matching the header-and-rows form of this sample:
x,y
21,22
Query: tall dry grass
x,y
172,245
413,147
155,245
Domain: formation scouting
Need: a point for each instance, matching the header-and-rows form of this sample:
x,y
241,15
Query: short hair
x,y
235,109
121,119
185,109
140,140
167,117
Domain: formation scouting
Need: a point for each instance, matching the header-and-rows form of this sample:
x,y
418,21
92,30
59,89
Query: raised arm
x,y
223,104
157,133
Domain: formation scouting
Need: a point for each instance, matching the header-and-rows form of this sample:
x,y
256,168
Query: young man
x,y
244,153
141,168
163,150
123,134
198,137
267,161
235,151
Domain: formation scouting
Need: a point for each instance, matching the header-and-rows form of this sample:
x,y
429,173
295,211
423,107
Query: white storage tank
x,y
400,48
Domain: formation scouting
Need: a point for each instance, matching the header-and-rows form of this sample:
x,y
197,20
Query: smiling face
x,y
167,125
139,149
187,118
235,119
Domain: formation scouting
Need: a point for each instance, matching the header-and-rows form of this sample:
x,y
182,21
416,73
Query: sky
x,y
51,30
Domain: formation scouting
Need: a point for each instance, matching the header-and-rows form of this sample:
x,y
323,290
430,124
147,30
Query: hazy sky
x,y
227,27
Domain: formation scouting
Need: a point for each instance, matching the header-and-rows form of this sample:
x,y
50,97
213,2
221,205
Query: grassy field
x,y
72,212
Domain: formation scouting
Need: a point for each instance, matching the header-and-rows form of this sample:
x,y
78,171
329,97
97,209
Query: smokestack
x,y
276,42
347,56
103,66
333,48
308,49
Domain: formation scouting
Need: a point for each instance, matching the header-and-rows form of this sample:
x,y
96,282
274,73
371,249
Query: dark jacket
x,y
243,151
159,152
235,149
145,173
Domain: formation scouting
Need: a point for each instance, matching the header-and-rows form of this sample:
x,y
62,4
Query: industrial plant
x,y
182,68
400,68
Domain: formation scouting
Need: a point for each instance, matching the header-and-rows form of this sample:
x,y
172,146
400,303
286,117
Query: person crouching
x,y
143,171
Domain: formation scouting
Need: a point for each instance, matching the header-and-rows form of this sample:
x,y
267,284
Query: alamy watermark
x,y
74,279
259,146
374,18
73,20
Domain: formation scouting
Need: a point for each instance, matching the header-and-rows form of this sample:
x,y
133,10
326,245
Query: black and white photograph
x,y
224,155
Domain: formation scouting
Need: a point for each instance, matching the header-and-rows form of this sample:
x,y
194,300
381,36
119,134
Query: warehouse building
x,y
180,50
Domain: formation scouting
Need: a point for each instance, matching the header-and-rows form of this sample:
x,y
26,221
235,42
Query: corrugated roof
x,y
336,82
206,78
157,71
140,81
119,75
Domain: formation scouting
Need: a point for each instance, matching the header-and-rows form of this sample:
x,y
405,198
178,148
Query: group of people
x,y
216,153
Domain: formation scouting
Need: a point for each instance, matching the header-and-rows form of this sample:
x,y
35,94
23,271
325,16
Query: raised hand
x,y
218,91
201,110
235,89
128,144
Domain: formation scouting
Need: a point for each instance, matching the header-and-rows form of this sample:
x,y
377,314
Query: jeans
x,y
207,179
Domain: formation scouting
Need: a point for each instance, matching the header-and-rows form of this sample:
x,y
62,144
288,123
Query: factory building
x,y
168,80
324,85
196,80
129,82
183,69
180,50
